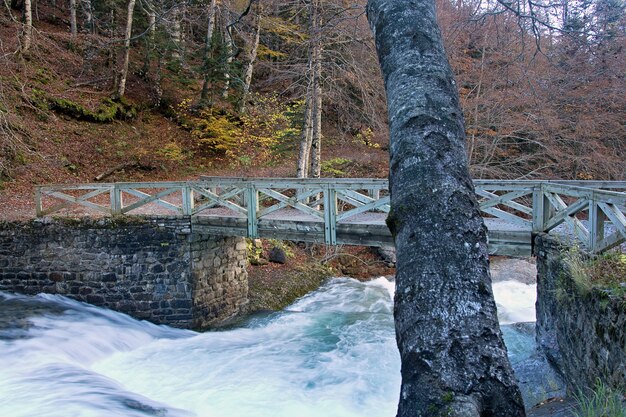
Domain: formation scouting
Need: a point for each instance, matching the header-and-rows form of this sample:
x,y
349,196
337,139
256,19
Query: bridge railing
x,y
591,211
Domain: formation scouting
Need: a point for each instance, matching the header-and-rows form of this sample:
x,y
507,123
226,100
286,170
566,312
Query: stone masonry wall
x,y
220,280
154,269
584,335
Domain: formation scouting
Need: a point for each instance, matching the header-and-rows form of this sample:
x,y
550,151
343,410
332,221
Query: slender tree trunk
x,y
88,11
454,361
148,9
477,97
121,86
247,79
158,77
204,95
316,66
228,41
302,170
176,33
316,131
27,34
73,24
111,59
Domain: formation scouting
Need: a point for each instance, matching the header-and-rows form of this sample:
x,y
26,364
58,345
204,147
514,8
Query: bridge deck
x,y
365,229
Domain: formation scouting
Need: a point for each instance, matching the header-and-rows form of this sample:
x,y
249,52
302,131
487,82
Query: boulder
x,y
277,255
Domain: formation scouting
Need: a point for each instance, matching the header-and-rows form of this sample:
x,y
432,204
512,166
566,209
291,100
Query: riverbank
x,y
273,286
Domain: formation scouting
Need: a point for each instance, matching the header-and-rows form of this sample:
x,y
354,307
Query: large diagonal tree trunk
x,y
454,362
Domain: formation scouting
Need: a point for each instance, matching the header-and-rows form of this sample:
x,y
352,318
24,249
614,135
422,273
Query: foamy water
x,y
332,353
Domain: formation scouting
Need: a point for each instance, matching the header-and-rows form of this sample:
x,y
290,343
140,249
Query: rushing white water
x,y
332,353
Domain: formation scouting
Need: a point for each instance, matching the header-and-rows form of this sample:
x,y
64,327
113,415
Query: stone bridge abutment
x,y
156,268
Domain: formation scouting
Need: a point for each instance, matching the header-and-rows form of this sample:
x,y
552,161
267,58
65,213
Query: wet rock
x,y
258,261
277,255
388,255
538,380
522,270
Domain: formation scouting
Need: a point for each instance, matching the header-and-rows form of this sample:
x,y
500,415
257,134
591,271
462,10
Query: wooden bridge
x,y
351,211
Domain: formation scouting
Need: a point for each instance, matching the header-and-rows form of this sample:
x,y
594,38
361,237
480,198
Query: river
x,y
330,354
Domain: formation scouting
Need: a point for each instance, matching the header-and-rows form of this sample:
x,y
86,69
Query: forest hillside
x,y
120,90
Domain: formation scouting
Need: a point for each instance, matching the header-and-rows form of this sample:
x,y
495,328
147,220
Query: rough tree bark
x,y
454,362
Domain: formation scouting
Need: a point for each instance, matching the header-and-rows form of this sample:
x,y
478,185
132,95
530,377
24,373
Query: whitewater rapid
x,y
330,354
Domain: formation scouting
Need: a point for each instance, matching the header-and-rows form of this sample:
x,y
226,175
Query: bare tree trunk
x,y
316,66
247,79
73,24
228,41
148,9
177,35
27,30
88,11
454,361
121,86
204,95
158,76
302,170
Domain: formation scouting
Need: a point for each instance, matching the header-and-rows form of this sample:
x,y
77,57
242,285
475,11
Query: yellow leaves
x,y
288,32
217,132
172,151
256,134
365,137
266,53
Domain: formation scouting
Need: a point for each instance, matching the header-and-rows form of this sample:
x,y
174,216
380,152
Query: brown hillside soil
x,y
56,148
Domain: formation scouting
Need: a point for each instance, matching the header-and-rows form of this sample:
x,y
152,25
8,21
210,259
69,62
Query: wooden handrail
x,y
592,210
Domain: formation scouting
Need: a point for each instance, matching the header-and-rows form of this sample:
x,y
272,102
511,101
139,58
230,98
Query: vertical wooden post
x,y
38,203
538,207
116,199
187,195
252,206
596,224
330,215
375,193
542,208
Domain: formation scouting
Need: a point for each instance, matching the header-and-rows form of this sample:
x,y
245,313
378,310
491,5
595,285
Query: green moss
x,y
38,98
108,111
392,222
43,76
